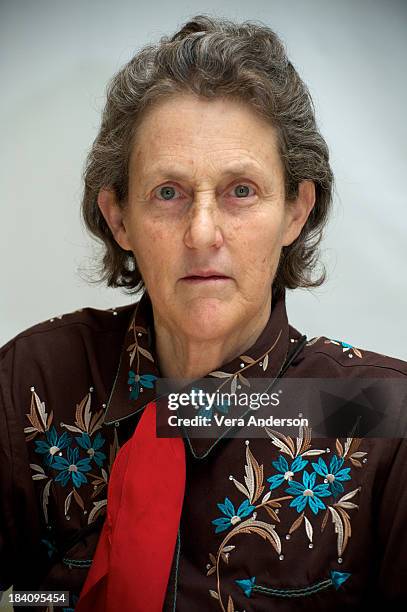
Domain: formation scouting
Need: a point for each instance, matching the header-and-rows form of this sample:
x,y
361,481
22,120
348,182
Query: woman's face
x,y
206,216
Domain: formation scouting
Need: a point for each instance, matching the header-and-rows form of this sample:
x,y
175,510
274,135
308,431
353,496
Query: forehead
x,y
192,129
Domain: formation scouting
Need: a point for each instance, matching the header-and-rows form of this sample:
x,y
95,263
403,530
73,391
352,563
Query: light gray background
x,y
56,58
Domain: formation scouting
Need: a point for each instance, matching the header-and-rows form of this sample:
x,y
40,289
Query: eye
x,y
242,190
166,192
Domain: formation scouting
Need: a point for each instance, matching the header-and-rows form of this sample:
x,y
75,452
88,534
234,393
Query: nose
x,y
203,229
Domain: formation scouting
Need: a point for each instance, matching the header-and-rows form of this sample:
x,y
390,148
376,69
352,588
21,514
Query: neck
x,y
183,356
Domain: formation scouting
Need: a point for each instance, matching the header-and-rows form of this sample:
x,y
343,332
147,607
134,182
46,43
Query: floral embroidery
x,y
72,467
70,460
308,492
233,516
208,411
346,347
304,493
137,382
286,473
334,474
236,379
92,448
52,444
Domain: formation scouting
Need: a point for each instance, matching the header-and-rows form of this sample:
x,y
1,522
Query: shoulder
x,y
63,357
61,330
337,357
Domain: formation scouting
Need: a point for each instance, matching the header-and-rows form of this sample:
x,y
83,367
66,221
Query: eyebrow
x,y
178,173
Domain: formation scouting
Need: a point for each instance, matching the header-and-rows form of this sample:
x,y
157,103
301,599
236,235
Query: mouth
x,y
208,276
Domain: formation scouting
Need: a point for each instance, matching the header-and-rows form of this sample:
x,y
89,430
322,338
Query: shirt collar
x,y
134,387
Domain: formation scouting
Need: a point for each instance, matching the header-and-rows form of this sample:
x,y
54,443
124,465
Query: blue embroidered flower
x,y
232,517
343,344
206,411
51,548
136,382
339,578
334,474
52,445
92,449
286,473
307,492
247,585
72,468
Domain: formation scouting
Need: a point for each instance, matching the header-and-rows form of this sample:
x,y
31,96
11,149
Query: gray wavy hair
x,y
211,57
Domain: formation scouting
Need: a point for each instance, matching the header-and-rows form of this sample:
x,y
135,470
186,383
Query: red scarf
x,y
133,557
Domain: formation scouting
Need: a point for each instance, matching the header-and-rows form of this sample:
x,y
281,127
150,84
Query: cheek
x,y
149,242
259,244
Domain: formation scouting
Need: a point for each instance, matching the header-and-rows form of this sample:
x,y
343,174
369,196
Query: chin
x,y
207,318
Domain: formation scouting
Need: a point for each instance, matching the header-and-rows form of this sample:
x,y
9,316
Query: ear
x,y
298,211
114,216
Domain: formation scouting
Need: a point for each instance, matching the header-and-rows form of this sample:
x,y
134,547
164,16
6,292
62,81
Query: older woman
x,y
209,185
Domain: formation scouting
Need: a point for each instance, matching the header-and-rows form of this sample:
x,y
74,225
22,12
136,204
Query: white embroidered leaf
x,y
247,359
68,502
243,380
325,519
219,374
313,340
41,410
300,440
282,445
336,519
214,594
231,605
348,505
265,362
225,557
313,452
39,477
87,413
45,498
346,527
241,488
339,448
308,528
37,468
358,455
347,496
347,445
104,474
30,429
96,509
228,549
266,497
146,353
249,478
233,385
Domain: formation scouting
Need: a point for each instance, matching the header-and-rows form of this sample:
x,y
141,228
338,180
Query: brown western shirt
x,y
274,523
